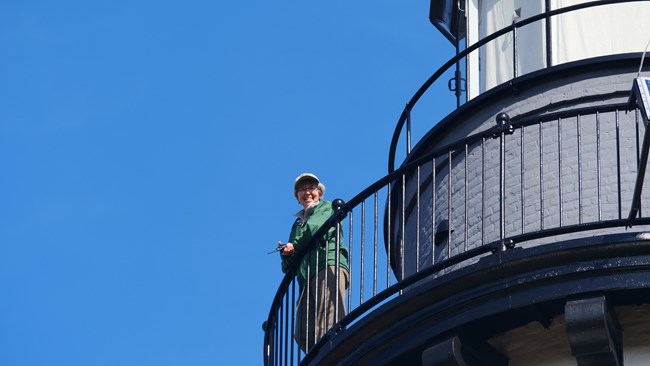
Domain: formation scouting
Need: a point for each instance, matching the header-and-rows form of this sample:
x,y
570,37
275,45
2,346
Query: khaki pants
x,y
316,309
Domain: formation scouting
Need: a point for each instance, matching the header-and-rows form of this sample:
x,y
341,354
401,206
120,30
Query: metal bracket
x,y
594,333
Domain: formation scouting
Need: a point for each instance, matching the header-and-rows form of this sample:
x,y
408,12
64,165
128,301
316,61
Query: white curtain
x,y
600,31
497,62
586,33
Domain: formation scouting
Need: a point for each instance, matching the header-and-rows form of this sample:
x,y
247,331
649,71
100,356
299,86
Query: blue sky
x,y
147,154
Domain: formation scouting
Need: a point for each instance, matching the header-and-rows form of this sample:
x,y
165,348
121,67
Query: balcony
x,y
510,218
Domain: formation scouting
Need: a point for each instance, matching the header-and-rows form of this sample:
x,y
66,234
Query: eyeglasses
x,y
308,189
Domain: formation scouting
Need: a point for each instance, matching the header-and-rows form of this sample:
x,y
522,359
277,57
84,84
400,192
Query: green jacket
x,y
301,235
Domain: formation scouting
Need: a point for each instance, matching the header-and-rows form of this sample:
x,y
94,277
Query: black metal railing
x,y
527,180
406,116
504,204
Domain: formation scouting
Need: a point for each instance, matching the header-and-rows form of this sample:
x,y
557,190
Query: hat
x,y
308,177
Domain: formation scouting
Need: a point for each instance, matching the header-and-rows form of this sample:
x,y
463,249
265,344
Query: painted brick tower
x,y
515,231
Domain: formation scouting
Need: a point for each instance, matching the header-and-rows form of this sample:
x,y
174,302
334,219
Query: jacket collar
x,y
305,212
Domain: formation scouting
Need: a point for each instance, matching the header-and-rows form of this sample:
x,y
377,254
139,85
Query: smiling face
x,y
308,193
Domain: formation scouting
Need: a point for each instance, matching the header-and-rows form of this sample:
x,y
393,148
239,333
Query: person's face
x,y
308,194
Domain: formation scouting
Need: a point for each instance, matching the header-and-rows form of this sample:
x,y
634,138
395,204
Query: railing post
x,y
268,343
337,205
502,128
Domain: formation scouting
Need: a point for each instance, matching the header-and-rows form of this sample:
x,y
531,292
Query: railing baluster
x,y
559,167
337,267
618,167
502,186
465,183
449,189
375,238
522,184
403,227
433,211
363,247
350,257
321,304
292,324
286,331
315,310
541,176
417,222
598,177
483,199
638,151
579,170
388,230
374,269
278,338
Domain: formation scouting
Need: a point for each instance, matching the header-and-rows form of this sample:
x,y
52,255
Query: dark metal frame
x,y
279,327
279,347
406,113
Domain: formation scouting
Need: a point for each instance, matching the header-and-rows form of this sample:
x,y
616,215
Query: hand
x,y
288,249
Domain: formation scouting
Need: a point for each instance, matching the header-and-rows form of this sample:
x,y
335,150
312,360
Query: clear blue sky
x,y
147,154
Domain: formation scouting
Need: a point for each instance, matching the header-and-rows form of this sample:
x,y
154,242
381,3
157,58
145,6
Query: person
x,y
316,305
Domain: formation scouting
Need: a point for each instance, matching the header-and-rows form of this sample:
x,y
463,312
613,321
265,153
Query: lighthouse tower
x,y
516,231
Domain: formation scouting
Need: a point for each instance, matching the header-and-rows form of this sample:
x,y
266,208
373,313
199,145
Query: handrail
x,y
282,299
406,113
335,219
280,323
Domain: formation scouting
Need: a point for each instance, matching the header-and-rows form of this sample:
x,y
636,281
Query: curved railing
x,y
415,246
405,117
382,269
